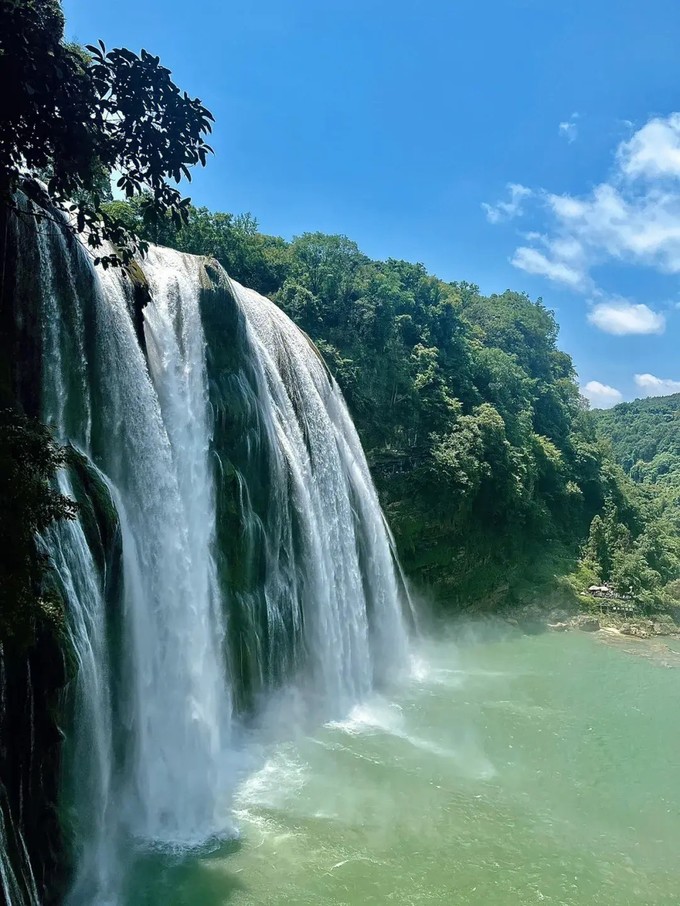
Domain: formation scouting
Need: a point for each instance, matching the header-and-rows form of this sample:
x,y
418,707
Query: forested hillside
x,y
485,455
645,437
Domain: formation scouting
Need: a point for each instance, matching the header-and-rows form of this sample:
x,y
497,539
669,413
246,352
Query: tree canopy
x,y
76,115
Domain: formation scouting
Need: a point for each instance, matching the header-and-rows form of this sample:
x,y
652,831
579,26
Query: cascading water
x,y
252,553
349,592
146,426
173,670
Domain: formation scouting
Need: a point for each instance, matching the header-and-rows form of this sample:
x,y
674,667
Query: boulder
x,y
635,630
588,624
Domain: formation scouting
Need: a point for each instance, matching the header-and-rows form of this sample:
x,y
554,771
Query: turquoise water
x,y
520,770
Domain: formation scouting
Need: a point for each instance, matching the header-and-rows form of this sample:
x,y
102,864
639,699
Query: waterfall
x,y
348,590
242,547
174,674
148,433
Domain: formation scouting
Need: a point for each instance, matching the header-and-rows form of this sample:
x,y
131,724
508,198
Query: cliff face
x,y
33,674
37,665
20,346
30,767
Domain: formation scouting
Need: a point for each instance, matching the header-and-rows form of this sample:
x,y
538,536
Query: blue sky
x,y
529,144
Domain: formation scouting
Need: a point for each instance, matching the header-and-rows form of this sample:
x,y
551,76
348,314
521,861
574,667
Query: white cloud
x,y
654,150
633,218
650,385
568,129
620,317
562,259
612,224
534,261
602,396
506,210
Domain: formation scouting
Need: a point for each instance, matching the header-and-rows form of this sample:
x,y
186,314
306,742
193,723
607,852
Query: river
x,y
508,770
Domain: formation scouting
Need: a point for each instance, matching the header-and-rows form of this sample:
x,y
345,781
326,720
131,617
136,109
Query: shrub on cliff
x,y
29,460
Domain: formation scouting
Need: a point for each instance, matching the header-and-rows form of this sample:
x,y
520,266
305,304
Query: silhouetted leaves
x,y
73,116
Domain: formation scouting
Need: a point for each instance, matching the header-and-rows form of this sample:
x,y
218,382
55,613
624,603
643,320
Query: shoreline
x,y
658,626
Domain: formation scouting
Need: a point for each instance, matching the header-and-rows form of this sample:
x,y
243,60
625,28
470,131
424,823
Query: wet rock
x,y
588,624
558,627
636,630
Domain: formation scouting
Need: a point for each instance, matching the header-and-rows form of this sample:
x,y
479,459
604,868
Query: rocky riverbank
x,y
532,619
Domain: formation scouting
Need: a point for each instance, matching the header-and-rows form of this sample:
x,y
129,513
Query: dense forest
x,y
494,479
645,438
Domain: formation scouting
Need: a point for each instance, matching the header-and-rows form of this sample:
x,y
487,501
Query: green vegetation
x,y
486,459
73,116
644,439
29,460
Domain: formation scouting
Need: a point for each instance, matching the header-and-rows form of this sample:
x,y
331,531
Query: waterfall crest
x,y
230,541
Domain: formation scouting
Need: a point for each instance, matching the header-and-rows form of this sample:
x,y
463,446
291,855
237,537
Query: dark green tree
x,y
72,117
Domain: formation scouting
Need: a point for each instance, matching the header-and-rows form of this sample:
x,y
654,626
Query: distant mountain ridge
x,y
645,437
